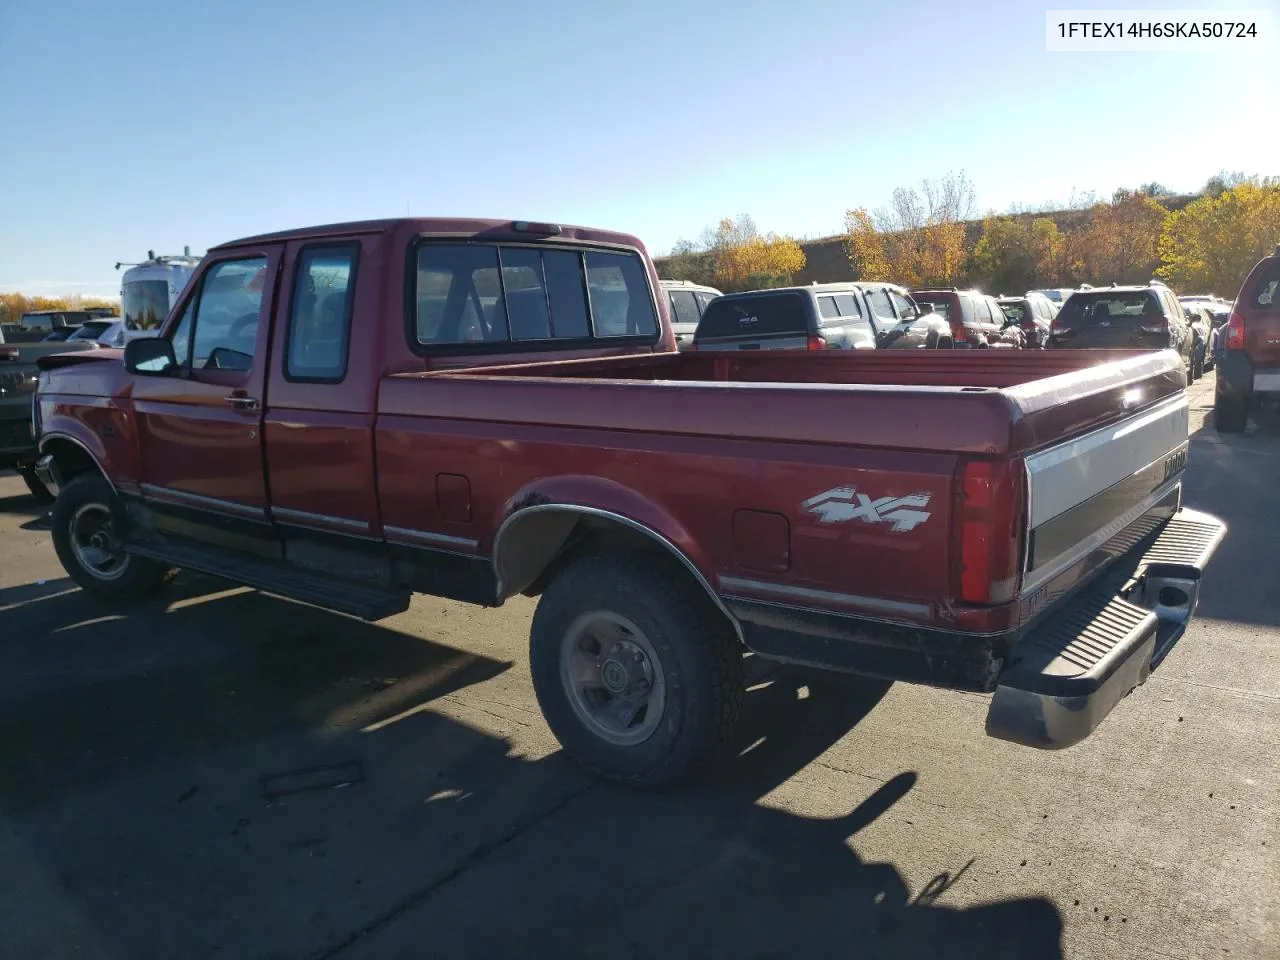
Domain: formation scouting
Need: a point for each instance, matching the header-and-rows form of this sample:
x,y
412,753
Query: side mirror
x,y
150,357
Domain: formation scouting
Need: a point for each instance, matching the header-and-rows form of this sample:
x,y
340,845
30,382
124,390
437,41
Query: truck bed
x,y
974,402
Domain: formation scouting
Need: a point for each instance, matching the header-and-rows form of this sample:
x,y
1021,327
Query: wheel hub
x,y
613,677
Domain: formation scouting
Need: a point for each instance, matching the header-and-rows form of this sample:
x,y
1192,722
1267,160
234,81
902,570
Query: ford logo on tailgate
x,y
1175,463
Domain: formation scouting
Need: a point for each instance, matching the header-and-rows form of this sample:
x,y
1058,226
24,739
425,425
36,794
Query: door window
x,y
880,305
906,309
320,314
222,333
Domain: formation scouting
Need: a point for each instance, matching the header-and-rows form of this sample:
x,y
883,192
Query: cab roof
x,y
470,228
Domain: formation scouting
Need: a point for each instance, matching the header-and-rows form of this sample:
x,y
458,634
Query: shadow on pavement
x,y
137,745
1236,477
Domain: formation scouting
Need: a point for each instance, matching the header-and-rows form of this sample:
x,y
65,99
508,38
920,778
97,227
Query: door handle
x,y
243,402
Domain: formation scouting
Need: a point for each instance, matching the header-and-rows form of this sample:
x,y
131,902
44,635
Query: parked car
x,y
40,324
1057,295
1249,363
688,301
113,336
1201,327
1033,313
520,422
90,330
1132,317
900,322
828,316
974,318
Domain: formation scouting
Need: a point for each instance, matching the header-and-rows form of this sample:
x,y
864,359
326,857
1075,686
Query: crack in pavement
x,y
419,897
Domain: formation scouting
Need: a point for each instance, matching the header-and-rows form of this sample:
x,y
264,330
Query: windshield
x,y
1015,311
91,330
145,304
37,321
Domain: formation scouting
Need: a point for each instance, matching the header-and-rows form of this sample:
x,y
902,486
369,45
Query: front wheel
x,y
638,675
87,544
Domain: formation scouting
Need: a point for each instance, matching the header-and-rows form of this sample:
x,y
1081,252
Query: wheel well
x,y
71,458
531,549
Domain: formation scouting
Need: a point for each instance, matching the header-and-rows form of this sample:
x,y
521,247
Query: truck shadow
x,y
139,820
1235,477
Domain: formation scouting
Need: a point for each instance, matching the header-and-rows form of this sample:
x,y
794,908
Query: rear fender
x,y
536,522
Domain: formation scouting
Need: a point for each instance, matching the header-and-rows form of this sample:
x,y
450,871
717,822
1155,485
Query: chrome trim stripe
x,y
426,538
625,521
303,517
1069,474
826,596
212,504
867,618
1098,539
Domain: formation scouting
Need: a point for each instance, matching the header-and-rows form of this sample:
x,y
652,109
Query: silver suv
x,y
688,301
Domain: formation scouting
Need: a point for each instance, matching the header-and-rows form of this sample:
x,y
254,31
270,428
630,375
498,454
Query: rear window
x,y
1017,310
765,315
1266,292
482,293
1086,310
941,305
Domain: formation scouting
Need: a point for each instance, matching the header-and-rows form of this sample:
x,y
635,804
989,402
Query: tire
x,y
595,616
1230,414
87,503
38,489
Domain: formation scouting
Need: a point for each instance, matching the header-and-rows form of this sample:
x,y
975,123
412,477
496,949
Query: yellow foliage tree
x,y
1119,243
745,259
1015,254
919,240
1211,244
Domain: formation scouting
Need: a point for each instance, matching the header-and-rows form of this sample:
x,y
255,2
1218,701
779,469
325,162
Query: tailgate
x,y
1084,490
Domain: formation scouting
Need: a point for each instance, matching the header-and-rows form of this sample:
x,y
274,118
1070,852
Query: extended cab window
x,y
224,315
483,293
320,313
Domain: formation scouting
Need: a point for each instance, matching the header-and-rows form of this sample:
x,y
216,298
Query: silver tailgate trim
x,y
1069,474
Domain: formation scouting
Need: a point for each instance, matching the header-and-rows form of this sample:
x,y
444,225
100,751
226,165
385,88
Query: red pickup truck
x,y
347,415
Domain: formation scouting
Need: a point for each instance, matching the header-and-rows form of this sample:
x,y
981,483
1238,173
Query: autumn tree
x,y
919,239
1018,253
1119,242
14,305
744,259
1212,243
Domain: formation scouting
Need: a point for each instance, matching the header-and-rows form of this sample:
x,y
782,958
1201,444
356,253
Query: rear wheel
x,y
1230,414
37,488
87,544
637,673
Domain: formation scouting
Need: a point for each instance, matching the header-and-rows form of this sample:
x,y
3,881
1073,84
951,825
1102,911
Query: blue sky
x,y
153,125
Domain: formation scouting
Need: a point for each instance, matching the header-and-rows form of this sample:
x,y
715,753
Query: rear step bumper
x,y
1069,672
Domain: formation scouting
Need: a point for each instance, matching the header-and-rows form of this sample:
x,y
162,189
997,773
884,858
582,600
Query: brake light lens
x,y
989,530
1161,327
816,343
1235,331
8,353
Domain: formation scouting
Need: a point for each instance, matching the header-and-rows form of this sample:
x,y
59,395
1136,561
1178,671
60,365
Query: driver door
x,y
200,430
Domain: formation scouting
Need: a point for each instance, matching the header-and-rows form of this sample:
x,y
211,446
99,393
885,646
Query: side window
x,y
881,306
483,293
906,309
1267,291
827,308
685,307
226,315
320,313
181,338
847,304
618,290
703,300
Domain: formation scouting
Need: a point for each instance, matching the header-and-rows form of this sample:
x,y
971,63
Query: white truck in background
x,y
150,288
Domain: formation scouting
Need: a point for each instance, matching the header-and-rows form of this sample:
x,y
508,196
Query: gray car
x,y
688,300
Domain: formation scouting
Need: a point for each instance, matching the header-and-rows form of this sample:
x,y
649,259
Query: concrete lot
x,y
142,752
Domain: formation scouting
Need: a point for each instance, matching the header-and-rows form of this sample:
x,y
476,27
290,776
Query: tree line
x,y
14,305
931,236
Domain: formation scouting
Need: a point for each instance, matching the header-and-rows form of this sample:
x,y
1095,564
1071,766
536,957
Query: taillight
x,y
958,333
989,529
1235,331
816,343
1161,327
8,353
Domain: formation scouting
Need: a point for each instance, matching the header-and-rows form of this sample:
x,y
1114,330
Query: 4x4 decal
x,y
842,504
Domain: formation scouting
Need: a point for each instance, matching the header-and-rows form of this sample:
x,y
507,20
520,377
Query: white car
x,y
687,301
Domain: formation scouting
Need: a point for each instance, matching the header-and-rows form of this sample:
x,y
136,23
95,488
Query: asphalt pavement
x,y
221,773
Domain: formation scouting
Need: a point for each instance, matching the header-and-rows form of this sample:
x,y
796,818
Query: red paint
x,y
451,445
